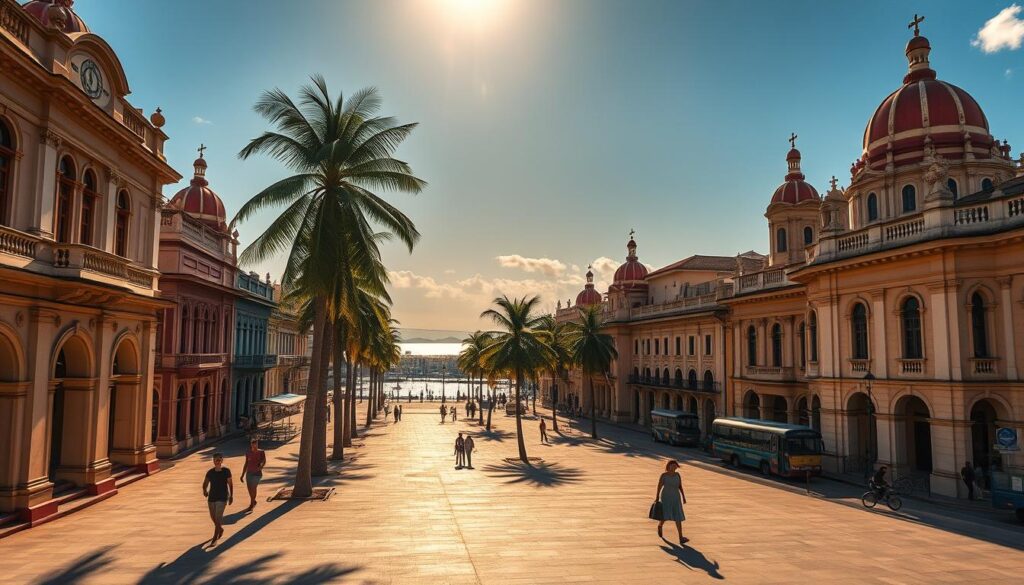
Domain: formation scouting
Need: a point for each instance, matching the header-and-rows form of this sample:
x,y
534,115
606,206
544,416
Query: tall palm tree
x,y
340,152
470,361
520,345
592,351
560,362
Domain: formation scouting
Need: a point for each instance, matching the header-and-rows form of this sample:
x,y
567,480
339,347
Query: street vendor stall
x,y
275,415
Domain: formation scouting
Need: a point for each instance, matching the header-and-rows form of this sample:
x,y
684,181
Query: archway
x,y
679,378
751,405
68,430
666,401
194,416
691,380
224,402
984,415
677,402
861,433
181,415
124,393
239,398
208,420
10,371
709,381
803,413
816,413
709,415
777,409
913,435
691,404
636,406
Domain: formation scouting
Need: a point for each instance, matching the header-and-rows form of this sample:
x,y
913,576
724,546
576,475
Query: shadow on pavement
x,y
79,569
693,559
496,435
539,475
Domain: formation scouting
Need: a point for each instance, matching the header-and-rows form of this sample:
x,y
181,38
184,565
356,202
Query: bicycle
x,y
871,498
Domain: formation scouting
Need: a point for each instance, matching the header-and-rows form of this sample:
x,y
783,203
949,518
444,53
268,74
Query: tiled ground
x,y
403,514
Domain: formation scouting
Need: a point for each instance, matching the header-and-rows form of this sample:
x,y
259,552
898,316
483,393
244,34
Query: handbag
x,y
656,512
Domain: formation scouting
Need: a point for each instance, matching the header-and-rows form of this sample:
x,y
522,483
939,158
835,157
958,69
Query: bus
x,y
675,427
1008,492
774,448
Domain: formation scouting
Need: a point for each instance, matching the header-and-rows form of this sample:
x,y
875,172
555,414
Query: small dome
x,y
40,9
795,189
631,275
199,201
588,296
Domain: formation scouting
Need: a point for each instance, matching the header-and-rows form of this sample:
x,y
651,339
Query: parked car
x,y
510,408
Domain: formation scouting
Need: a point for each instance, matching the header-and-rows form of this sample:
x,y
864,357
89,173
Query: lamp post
x,y
868,379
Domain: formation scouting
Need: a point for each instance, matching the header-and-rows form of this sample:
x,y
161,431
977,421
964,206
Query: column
x,y
878,349
940,312
46,179
15,435
1010,351
762,342
789,349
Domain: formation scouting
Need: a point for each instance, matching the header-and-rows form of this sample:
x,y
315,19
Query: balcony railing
x,y
984,366
784,372
17,243
696,386
15,20
860,365
255,361
766,279
912,367
293,360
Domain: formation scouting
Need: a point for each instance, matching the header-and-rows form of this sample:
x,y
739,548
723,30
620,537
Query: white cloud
x,y
1008,73
547,266
201,121
1003,31
449,271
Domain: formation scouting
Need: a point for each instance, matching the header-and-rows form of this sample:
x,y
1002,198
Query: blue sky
x,y
550,128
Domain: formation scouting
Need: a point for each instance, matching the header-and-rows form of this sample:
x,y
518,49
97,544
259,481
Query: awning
x,y
281,400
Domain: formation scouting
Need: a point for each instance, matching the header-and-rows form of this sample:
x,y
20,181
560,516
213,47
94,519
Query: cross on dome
x,y
792,139
833,182
915,24
202,150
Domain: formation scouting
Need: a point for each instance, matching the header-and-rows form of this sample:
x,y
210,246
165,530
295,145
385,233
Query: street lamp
x,y
868,379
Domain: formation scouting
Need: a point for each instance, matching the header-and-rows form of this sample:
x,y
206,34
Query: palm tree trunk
x,y
490,409
339,405
350,384
519,420
303,471
318,464
480,398
593,409
371,398
352,404
554,406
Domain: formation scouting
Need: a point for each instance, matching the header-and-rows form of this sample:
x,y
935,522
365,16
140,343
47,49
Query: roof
x,y
760,425
699,262
673,413
1012,187
281,400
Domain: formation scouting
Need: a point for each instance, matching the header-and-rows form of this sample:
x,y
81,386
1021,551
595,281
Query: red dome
x,y
631,275
199,201
41,10
925,110
588,296
795,189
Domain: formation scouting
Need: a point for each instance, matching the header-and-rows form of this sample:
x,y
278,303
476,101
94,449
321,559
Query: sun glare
x,y
472,12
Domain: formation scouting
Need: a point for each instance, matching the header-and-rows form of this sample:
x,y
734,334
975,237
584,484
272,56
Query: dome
x,y
795,189
199,201
924,111
588,296
41,10
631,275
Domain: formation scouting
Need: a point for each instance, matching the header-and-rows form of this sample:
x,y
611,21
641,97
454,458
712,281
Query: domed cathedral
x,y
198,262
81,176
916,293
792,214
628,288
588,297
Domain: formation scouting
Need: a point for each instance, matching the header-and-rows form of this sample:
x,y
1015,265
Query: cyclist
x,y
878,482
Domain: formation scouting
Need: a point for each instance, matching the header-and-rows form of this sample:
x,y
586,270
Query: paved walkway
x,y
403,514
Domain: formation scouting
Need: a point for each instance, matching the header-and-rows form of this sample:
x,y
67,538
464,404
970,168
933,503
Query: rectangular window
x,y
692,345
707,345
679,346
656,341
636,347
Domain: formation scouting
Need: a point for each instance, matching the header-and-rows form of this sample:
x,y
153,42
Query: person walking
x,y
454,413
219,492
398,410
460,452
444,413
670,493
252,473
543,431
967,474
469,445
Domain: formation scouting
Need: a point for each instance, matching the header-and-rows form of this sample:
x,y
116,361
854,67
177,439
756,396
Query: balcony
x,y
771,372
985,367
199,361
862,366
911,367
764,280
695,386
44,256
255,362
293,361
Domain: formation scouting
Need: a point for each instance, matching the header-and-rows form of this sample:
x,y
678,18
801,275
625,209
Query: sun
x,y
472,11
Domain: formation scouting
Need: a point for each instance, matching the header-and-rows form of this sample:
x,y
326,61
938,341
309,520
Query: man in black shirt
x,y
219,492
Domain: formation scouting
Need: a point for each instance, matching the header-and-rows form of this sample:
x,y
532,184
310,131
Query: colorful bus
x,y
774,448
675,427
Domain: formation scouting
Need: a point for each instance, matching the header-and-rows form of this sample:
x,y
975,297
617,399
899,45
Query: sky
x,y
548,129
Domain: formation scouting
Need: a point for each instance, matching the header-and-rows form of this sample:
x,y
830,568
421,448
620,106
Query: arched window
x,y
859,327
979,329
777,345
751,346
872,207
691,379
801,333
813,326
124,213
65,193
184,330
910,314
808,236
6,170
780,240
951,185
89,198
986,184
909,199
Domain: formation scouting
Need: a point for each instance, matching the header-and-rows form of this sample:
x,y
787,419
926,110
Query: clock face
x,y
92,80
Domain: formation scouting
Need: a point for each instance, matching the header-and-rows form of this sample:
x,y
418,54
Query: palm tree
x,y
469,361
340,152
520,346
592,350
561,360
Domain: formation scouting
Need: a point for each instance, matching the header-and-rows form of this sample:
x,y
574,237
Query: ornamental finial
x,y
916,25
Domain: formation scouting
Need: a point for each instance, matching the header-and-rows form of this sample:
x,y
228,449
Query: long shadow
x,y
77,571
496,435
540,475
346,471
693,559
625,448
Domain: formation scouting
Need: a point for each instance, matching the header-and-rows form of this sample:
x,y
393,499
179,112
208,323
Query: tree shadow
x,y
693,559
625,448
339,472
496,435
539,475
76,571
254,572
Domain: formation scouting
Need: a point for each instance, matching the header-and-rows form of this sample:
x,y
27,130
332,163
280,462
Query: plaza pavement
x,y
403,514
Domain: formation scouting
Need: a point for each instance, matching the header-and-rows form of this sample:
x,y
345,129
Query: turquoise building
x,y
251,359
